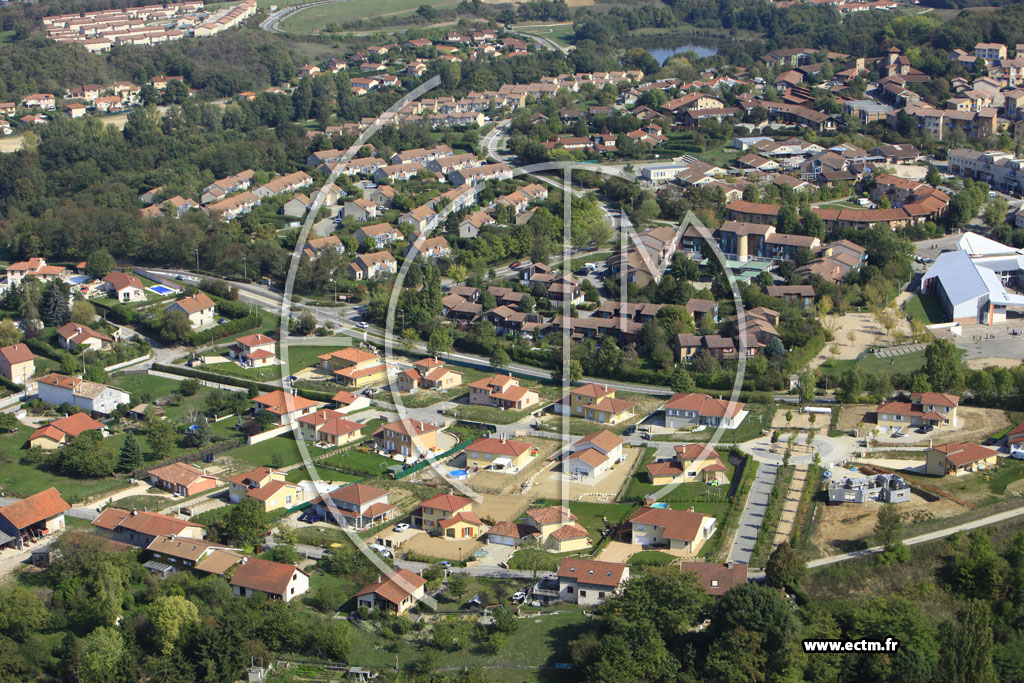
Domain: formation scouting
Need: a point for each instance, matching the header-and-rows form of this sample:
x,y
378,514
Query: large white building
x,y
94,397
972,282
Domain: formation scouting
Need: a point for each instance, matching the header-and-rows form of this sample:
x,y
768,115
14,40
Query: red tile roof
x,y
394,587
17,353
704,405
960,454
554,514
447,502
681,525
280,403
357,494
604,440
178,473
264,575
119,281
195,303
716,578
591,571
143,522
72,425
486,444
36,508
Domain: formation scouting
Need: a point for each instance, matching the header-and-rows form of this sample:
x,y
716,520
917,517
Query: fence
x,y
269,434
432,459
124,364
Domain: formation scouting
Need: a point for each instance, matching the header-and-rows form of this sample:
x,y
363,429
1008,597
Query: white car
x,y
401,527
381,549
519,596
363,325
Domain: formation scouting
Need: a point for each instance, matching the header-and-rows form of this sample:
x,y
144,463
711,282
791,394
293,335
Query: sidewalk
x,y
788,517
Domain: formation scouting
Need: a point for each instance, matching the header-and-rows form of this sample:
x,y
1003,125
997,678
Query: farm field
x,y
315,18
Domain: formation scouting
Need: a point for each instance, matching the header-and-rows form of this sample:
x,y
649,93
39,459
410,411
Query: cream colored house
x,y
503,455
682,530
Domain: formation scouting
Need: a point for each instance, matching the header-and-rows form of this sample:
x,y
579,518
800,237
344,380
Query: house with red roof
x,y
395,592
354,367
502,391
428,373
502,455
36,267
685,531
124,287
17,363
590,582
329,427
959,458
30,519
253,350
266,485
74,336
285,407
1015,441
59,432
690,410
348,402
695,462
925,408
596,402
409,438
717,578
593,455
198,308
140,527
181,479
357,506
448,516
277,580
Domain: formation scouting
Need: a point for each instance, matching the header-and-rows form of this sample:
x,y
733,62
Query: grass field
x,y
640,486
6,36
869,362
926,308
591,515
315,18
556,33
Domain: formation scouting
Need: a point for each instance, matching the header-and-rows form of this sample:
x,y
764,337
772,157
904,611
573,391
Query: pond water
x,y
663,53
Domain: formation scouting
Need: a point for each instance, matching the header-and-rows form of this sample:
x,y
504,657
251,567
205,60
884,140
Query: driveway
x,y
753,513
496,554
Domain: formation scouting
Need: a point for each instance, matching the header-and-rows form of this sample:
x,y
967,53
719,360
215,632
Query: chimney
x,y
244,560
729,564
691,509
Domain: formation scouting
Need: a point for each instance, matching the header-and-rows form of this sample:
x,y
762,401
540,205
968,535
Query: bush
x,y
189,387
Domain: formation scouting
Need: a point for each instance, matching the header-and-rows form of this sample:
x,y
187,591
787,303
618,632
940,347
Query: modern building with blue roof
x,y
971,283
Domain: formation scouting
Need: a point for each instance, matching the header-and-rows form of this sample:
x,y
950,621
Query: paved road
x,y
753,513
924,538
478,570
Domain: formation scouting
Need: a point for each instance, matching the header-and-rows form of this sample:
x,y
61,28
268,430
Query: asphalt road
x,y
753,513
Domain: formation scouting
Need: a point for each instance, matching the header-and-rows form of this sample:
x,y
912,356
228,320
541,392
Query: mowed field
x,y
315,18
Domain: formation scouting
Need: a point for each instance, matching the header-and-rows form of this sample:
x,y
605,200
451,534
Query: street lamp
x,y
245,270
197,260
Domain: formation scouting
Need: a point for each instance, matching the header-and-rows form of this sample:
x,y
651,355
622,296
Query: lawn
x,y
556,33
592,515
143,502
281,451
759,417
690,493
981,488
906,364
6,36
315,18
542,640
360,462
577,263
651,558
322,473
925,307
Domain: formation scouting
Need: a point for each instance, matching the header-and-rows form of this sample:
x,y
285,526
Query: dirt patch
x,y
976,425
982,363
499,482
855,332
846,527
788,517
854,414
456,550
604,491
798,420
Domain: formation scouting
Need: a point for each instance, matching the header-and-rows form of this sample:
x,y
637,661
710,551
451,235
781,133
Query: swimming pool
x,y
161,289
660,506
458,474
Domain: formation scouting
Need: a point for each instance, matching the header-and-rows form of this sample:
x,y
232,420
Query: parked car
x,y
630,430
401,527
518,596
362,325
384,552
445,563
516,264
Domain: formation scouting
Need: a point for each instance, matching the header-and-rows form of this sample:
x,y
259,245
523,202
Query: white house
x,y
279,581
593,455
589,582
94,397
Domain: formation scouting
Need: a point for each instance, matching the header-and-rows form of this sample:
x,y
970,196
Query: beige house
x,y
32,518
596,402
428,373
593,455
682,530
695,462
267,486
277,580
449,516
691,410
74,336
253,350
502,391
354,367
286,408
396,592
959,458
925,408
503,455
59,432
357,505
329,427
199,308
17,363
557,529
410,438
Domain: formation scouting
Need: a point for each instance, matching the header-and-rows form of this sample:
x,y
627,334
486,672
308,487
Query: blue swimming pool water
x,y
160,289
660,506
458,474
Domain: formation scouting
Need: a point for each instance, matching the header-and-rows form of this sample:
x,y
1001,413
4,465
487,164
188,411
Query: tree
x,y
500,359
159,437
806,385
889,533
942,367
784,567
130,457
188,387
199,434
86,456
246,523
933,177
170,616
98,655
55,311
970,645
175,328
304,323
83,312
458,584
737,658
9,332
681,382
99,263
409,339
757,608
440,341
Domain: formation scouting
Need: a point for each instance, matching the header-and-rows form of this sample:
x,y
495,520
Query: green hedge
x,y
227,329
41,348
